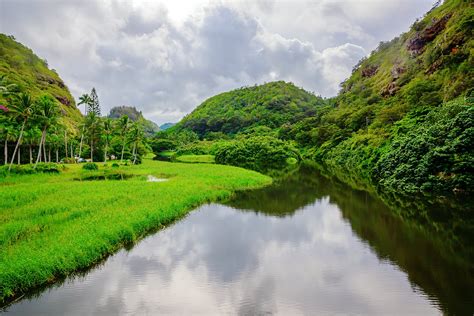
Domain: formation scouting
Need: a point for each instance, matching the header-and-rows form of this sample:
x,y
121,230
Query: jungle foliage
x,y
403,120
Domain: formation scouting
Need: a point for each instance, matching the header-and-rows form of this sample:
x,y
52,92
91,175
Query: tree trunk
x,y
19,155
49,154
44,150
43,136
123,149
5,152
65,142
134,153
72,152
82,139
57,155
92,151
105,153
31,154
17,143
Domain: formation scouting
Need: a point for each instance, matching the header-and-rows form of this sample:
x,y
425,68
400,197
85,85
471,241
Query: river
x,y
306,245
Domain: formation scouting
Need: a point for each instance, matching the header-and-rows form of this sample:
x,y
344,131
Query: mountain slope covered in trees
x,y
403,120
31,73
271,105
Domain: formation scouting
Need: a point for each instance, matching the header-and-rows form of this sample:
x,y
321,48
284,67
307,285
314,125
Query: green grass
x,y
52,224
196,158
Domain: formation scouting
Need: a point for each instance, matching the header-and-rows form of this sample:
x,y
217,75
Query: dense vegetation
x,y
40,123
393,123
271,105
31,73
46,238
402,121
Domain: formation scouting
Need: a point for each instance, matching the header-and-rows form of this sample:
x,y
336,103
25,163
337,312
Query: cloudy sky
x,y
166,57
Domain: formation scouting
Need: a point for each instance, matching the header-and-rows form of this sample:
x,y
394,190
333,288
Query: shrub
x,y
160,145
30,169
90,166
115,165
262,153
69,160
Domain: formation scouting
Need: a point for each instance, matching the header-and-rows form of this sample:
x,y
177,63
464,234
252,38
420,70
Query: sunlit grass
x,y
196,158
54,224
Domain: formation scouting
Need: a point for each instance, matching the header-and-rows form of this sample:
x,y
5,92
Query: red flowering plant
x,y
3,108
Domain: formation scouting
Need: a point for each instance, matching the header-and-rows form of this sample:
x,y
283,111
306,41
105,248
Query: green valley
x,y
359,178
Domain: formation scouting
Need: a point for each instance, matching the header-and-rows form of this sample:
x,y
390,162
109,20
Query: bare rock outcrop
x,y
418,42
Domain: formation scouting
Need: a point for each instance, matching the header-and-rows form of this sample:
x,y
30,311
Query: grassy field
x,y
54,224
196,158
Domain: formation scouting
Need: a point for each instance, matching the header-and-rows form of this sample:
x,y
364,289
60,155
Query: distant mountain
x,y
272,105
150,127
165,126
31,73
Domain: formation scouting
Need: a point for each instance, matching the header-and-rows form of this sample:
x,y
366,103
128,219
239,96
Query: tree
x,y
136,136
107,134
87,101
7,130
47,114
123,125
94,105
32,136
5,87
93,127
22,109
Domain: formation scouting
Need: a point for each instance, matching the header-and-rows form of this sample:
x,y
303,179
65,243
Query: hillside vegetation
x,y
402,121
271,105
404,118
31,73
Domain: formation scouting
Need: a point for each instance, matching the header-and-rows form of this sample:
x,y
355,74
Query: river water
x,y
307,245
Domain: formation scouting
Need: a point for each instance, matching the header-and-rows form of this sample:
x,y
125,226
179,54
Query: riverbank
x,y
447,216
54,224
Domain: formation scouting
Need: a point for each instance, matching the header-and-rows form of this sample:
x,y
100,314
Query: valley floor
x,y
54,224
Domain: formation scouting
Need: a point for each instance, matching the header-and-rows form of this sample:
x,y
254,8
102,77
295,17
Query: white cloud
x,y
165,57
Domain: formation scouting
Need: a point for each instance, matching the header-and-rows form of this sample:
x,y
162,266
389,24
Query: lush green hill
x,y
150,127
31,73
272,105
404,119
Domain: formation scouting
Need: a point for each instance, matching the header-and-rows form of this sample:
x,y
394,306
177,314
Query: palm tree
x,y
22,109
123,124
32,135
5,87
47,114
87,101
8,131
108,129
136,136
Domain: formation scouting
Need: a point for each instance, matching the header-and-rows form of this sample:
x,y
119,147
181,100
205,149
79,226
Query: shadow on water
x,y
444,274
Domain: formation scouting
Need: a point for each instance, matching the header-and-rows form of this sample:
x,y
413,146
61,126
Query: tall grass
x,y
52,225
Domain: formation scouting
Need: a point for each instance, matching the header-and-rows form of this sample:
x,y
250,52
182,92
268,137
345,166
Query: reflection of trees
x,y
402,234
283,198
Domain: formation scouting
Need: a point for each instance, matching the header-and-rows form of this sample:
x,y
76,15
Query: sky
x,y
165,57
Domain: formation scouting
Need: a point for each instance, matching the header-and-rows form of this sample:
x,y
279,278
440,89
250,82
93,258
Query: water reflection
x,y
305,246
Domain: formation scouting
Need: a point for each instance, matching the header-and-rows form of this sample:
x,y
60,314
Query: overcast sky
x,y
166,57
